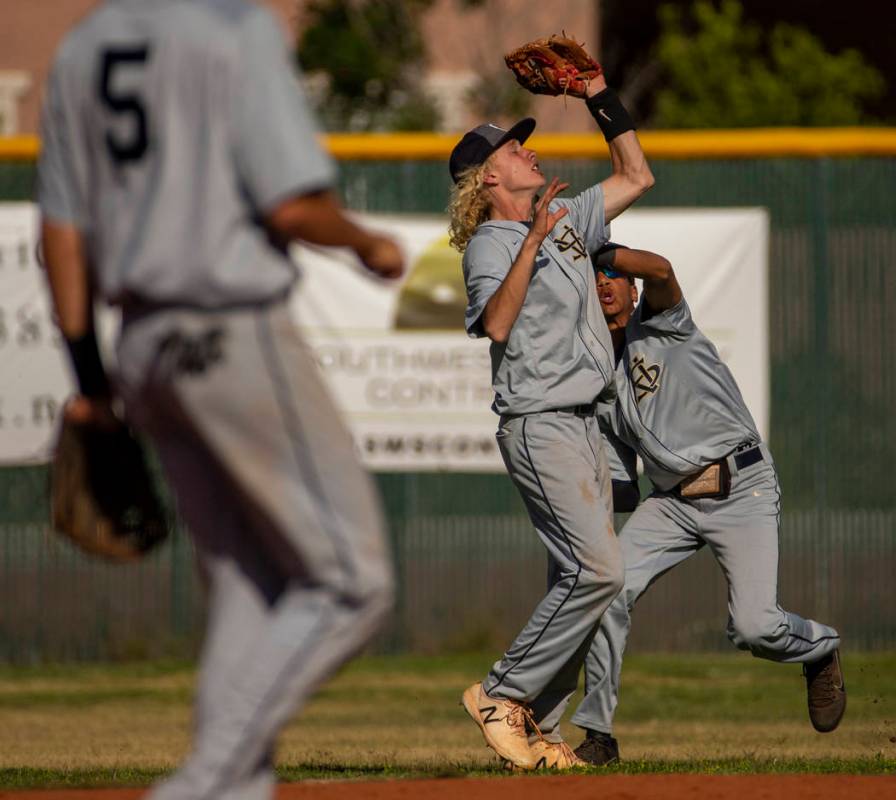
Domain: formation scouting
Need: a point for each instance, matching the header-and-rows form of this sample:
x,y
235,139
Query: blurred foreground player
x,y
179,160
715,484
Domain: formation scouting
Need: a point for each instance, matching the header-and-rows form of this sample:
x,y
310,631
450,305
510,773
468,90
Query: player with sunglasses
x,y
679,407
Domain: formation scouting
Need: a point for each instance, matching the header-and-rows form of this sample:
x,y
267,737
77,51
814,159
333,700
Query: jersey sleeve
x,y
275,141
673,323
60,186
486,264
586,215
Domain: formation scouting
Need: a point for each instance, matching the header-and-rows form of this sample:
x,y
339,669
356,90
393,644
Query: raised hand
x,y
544,219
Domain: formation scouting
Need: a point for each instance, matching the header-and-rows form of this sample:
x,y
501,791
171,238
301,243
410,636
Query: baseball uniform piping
x,y
289,669
293,425
583,301
571,552
659,441
814,641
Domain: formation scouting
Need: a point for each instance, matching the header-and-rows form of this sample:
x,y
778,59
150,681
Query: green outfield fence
x,y
470,568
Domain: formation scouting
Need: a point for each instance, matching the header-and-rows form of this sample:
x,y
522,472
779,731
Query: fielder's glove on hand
x,y
556,65
102,494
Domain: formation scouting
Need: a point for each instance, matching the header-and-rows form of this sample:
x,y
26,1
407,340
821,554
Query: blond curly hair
x,y
468,207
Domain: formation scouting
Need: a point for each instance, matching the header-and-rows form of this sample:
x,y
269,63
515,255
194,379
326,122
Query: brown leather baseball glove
x,y
102,494
556,65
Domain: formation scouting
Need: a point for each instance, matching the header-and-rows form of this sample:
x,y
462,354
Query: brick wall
x,y
461,45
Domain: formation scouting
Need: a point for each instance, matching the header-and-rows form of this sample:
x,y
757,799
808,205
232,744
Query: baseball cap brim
x,y
521,131
474,149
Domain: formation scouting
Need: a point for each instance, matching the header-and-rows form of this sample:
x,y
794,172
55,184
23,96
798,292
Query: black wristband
x,y
610,114
85,355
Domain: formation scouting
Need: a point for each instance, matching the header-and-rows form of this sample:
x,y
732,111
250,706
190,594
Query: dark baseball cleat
x,y
598,749
826,692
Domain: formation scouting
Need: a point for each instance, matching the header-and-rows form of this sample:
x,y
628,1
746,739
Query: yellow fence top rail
x,y
748,143
754,143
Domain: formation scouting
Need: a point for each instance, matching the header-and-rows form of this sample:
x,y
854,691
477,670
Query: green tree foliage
x,y
722,71
497,97
370,54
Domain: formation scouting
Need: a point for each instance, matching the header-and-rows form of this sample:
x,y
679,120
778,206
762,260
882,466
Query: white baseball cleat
x,y
555,755
503,724
552,756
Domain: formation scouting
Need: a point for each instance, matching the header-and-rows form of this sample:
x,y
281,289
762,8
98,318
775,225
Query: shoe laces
x,y
518,717
566,752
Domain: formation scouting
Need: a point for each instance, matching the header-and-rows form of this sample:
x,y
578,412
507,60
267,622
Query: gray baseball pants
x,y
742,531
287,526
557,461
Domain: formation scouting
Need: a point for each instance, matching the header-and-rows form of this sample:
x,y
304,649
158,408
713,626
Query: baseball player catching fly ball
x,y
715,484
179,160
530,289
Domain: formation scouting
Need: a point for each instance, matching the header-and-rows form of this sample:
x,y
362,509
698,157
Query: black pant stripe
x,y
571,551
317,633
293,424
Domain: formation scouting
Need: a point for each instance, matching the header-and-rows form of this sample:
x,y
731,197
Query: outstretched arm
x,y
631,175
319,219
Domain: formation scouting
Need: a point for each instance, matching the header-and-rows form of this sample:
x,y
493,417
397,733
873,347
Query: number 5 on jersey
x,y
128,104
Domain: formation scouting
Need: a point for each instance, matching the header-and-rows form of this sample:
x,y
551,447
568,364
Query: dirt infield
x,y
570,787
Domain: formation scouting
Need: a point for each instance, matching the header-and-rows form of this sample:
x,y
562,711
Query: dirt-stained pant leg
x,y
742,531
286,523
557,462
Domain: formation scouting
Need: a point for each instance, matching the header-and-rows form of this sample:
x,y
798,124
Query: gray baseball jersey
x,y
169,127
559,353
678,404
680,407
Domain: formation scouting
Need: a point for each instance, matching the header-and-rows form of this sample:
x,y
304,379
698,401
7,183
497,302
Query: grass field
x,y
399,716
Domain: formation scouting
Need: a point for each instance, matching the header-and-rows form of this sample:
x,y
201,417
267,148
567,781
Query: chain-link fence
x,y
470,568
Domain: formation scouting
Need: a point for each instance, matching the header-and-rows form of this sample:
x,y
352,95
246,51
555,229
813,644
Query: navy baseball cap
x,y
479,143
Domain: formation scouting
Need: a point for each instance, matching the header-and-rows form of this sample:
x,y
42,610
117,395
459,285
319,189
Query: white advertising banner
x,y
415,389
34,377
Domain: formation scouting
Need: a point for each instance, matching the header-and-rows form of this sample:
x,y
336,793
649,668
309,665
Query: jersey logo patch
x,y
570,240
645,377
193,354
